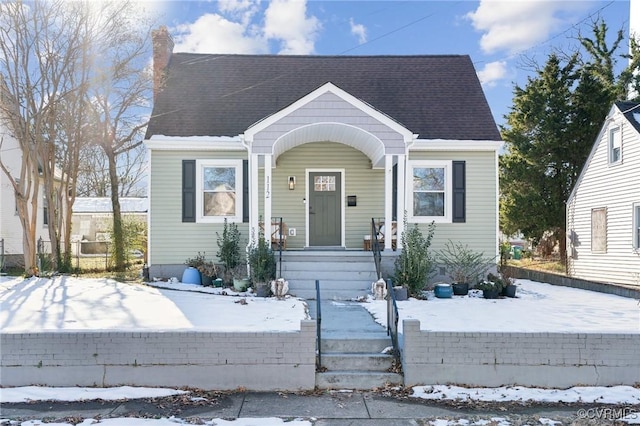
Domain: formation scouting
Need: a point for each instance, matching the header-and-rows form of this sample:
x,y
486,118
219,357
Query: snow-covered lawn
x,y
538,307
68,303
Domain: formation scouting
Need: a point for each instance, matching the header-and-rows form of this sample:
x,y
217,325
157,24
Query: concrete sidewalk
x,y
336,408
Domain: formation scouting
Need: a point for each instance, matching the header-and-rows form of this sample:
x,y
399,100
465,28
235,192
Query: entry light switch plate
x,y
292,232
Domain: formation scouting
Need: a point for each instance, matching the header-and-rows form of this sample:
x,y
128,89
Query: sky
x,y
502,38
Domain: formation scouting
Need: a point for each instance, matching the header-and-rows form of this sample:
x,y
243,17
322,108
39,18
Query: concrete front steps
x,y
343,274
356,363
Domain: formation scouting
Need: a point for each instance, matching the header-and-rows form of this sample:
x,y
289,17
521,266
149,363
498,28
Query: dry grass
x,y
550,265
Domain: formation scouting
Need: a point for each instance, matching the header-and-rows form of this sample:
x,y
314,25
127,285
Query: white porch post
x,y
402,190
388,201
268,189
254,216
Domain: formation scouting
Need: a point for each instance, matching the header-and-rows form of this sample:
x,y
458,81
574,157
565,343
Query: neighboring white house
x,y
92,217
603,210
327,143
10,226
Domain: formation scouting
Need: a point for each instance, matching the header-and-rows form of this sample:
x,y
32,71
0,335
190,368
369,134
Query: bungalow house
x,y
603,210
327,144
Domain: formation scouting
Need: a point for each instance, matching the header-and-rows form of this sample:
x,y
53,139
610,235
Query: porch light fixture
x,y
292,183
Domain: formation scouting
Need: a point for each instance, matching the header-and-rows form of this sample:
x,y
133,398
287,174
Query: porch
x,y
343,274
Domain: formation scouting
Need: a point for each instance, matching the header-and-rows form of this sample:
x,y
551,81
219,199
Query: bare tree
x,y
38,46
119,99
52,54
93,177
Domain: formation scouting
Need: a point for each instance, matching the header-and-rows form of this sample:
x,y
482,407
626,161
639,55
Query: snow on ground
x,y
621,395
41,393
579,394
69,303
537,307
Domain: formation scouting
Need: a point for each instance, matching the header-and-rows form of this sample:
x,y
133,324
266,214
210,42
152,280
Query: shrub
x,y
415,263
229,246
262,260
463,264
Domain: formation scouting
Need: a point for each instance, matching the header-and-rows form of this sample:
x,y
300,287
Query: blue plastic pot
x,y
443,291
191,276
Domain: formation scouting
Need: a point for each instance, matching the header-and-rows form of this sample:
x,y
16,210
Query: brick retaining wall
x,y
563,280
558,360
206,360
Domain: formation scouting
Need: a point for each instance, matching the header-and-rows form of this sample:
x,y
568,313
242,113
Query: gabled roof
x,y
631,111
437,97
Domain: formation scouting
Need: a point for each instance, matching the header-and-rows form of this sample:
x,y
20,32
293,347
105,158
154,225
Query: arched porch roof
x,y
346,134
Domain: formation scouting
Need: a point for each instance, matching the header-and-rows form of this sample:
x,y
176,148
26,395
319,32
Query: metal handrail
x,y
392,319
375,248
318,325
280,244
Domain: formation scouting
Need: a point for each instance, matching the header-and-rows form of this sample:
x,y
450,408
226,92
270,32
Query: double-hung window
x,y
615,145
219,190
430,191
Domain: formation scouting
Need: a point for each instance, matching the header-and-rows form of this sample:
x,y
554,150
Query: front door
x,y
325,208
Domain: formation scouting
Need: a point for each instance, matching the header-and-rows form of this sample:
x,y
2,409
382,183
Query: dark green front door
x,y
325,209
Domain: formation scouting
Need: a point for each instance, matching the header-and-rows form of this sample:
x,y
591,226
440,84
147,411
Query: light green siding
x,y
359,179
171,240
480,229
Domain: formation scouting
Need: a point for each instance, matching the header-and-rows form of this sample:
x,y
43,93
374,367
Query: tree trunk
x,y
120,259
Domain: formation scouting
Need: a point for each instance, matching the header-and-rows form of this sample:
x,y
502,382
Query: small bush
x,y
415,264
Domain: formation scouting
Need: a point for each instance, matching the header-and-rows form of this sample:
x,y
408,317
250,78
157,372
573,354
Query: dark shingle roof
x,y
222,95
631,111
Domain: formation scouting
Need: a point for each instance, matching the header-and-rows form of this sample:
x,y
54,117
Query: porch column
x,y
267,197
402,191
254,215
388,201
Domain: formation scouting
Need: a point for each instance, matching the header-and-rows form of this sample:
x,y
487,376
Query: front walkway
x,y
346,319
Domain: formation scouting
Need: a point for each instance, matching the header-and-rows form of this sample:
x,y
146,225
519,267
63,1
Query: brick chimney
x,y
162,51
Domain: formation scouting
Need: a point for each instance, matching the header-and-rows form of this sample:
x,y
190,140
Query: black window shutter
x,y
245,191
188,190
459,188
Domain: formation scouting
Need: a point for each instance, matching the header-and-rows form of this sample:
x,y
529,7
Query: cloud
x,y
242,26
492,73
286,21
515,26
213,33
358,30
244,10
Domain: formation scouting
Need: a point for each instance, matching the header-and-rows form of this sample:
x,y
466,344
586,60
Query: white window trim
x,y
635,231
612,130
448,190
200,165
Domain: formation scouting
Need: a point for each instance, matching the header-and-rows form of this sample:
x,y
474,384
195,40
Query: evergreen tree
x,y
552,125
